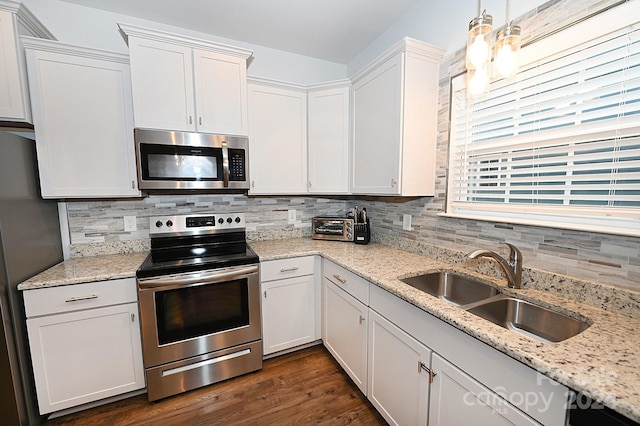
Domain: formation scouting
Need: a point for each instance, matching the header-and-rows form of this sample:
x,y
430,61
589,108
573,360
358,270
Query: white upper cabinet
x,y
15,20
187,84
394,122
328,138
277,138
83,120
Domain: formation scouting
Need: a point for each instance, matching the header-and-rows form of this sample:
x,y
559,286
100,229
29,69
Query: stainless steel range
x,y
199,293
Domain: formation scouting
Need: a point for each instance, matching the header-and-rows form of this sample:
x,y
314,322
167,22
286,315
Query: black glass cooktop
x,y
175,255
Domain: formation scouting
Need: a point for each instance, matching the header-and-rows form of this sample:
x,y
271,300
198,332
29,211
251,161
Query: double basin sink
x,y
487,302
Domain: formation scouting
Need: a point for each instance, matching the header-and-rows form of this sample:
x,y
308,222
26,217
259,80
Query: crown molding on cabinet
x,y
408,45
86,52
26,20
181,40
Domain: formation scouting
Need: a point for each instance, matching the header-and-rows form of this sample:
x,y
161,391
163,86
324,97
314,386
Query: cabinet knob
x,y
200,121
190,120
393,182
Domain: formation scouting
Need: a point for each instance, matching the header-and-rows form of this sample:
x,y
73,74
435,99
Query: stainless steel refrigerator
x,y
29,243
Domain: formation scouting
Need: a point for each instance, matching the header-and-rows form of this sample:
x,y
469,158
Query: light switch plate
x,y
406,222
292,216
130,224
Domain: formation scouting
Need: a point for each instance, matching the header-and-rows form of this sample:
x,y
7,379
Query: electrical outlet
x,y
406,222
130,223
292,216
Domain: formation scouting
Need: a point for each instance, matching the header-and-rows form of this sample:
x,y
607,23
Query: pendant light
x,y
479,40
478,60
507,49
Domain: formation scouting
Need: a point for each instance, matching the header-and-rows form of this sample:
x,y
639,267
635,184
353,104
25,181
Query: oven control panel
x,y
197,223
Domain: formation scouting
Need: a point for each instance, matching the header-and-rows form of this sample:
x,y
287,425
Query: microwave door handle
x,y
225,164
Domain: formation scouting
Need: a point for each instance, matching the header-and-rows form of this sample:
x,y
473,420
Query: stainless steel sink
x,y
528,319
452,288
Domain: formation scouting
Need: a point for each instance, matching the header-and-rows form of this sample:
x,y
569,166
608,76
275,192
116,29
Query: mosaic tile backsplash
x,y
97,226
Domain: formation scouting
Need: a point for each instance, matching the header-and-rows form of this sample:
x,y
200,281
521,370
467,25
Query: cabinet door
x,y
377,131
162,80
328,140
457,399
83,122
278,140
288,313
398,385
13,103
344,331
220,92
85,356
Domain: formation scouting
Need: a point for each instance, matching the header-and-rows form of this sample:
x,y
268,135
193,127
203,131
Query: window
x,y
560,144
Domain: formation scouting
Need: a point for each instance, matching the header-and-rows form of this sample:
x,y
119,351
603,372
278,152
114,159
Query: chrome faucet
x,y
512,269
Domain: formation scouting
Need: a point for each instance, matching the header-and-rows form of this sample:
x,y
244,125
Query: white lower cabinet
x,y
458,399
398,373
287,306
83,354
344,331
288,303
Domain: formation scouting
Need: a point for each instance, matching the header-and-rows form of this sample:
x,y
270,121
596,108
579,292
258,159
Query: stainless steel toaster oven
x,y
335,228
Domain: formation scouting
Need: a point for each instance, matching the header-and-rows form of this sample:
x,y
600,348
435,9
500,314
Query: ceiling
x,y
333,30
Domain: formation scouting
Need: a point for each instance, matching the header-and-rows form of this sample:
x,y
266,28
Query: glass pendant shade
x,y
478,82
479,42
507,50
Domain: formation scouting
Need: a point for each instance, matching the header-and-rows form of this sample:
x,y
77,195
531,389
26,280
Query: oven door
x,y
191,314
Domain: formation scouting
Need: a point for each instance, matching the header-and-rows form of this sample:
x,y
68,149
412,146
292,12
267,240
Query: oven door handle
x,y
197,278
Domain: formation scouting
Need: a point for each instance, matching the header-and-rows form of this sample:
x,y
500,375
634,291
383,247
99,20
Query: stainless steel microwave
x,y
183,160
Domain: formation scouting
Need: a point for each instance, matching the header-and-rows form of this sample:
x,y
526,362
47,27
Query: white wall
x,y
95,28
441,23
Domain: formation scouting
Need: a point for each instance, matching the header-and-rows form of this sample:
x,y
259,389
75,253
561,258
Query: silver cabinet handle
x,y
265,294
430,372
361,319
337,277
190,120
393,182
293,268
78,299
200,120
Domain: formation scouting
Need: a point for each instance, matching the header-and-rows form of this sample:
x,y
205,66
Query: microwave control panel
x,y
237,164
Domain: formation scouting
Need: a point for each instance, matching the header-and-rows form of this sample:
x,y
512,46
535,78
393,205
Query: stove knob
x,y
221,221
169,223
238,219
229,220
158,224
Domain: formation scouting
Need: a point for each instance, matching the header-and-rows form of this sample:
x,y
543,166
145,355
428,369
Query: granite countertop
x,y
601,362
87,269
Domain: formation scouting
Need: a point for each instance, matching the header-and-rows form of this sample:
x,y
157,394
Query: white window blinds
x,y
559,145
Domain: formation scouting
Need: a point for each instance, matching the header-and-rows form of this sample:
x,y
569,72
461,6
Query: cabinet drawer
x,y
69,298
357,286
286,268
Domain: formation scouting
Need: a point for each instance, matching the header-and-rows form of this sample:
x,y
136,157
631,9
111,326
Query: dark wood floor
x,y
301,388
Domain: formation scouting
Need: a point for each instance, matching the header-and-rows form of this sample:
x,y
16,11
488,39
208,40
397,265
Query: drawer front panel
x,y
286,268
356,286
74,297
